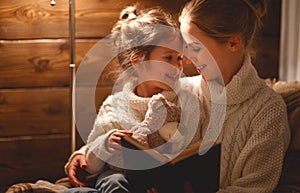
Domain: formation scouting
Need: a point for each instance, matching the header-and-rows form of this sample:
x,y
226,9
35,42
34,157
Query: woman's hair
x,y
138,31
220,19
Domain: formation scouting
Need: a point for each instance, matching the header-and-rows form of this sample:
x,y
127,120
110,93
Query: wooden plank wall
x,y
34,77
34,81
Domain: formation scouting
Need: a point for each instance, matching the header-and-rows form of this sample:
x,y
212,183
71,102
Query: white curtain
x,y
289,64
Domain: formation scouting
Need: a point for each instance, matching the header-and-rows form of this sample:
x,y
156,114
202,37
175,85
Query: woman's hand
x,y
76,170
114,141
152,190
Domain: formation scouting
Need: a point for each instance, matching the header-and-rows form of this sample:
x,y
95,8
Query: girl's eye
x,y
180,58
169,57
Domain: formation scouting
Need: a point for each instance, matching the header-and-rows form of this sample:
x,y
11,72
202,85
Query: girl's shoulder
x,y
117,99
190,83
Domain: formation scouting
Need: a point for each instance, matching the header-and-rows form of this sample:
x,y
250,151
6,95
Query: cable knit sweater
x,y
124,110
255,134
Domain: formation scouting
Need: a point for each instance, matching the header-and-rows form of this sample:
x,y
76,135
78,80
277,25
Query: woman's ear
x,y
235,42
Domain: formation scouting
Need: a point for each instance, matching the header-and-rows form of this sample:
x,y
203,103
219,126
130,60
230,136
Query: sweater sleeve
x,y
105,123
259,164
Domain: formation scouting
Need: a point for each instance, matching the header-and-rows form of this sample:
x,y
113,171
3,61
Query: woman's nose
x,y
186,60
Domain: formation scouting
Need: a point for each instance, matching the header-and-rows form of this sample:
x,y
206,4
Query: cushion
x,y
290,178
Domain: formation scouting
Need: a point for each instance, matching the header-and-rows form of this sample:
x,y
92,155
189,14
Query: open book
x,y
188,170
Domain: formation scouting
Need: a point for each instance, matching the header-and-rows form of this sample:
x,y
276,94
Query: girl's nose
x,y
179,62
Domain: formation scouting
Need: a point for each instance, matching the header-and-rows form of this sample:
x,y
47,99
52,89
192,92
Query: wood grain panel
x,y
31,20
46,63
27,19
30,159
34,63
267,58
33,125
38,63
271,22
32,112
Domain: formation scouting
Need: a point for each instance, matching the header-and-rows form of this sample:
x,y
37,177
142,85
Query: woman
x,y
152,73
255,133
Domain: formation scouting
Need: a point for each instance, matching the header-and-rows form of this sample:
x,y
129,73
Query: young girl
x,y
255,133
153,72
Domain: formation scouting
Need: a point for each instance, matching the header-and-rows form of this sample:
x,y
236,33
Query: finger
x,y
122,134
126,132
81,184
114,151
153,190
115,146
116,139
73,178
83,162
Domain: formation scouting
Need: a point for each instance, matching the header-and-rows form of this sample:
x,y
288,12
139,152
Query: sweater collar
x,y
139,105
243,85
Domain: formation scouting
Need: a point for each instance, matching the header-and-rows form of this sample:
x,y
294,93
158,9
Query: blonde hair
x,y
220,19
134,33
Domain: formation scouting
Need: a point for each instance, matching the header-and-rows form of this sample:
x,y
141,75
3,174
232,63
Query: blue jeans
x,y
108,181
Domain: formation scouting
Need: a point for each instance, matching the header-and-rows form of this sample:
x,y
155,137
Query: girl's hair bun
x,y
128,13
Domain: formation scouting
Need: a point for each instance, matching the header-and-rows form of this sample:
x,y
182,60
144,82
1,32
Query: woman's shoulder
x,y
272,96
269,103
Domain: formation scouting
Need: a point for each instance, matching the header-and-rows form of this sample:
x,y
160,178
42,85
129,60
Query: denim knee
x,y
114,183
81,190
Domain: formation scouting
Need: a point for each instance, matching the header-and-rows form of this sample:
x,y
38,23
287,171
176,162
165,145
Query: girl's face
x,y
204,52
161,70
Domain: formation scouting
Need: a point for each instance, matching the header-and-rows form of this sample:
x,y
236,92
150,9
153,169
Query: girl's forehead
x,y
174,43
164,50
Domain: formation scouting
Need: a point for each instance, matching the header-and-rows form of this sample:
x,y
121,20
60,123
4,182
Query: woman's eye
x,y
196,49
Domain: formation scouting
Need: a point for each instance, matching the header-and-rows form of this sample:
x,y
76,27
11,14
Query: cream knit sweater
x,y
255,134
254,137
124,110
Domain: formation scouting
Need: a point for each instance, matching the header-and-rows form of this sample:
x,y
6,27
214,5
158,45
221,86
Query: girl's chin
x,y
169,87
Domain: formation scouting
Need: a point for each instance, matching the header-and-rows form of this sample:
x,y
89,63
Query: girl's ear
x,y
135,59
235,42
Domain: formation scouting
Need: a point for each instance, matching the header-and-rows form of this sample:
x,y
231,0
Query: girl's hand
x,y
76,170
114,141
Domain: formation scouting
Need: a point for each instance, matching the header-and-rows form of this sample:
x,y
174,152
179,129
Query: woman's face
x,y
204,52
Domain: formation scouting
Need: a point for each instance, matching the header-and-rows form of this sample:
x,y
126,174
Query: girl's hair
x,y
138,31
220,19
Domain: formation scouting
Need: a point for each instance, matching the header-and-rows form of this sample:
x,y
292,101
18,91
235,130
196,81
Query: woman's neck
x,y
234,65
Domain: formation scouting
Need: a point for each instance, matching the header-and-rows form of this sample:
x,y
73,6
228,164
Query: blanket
x,y
41,186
